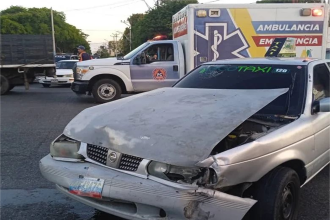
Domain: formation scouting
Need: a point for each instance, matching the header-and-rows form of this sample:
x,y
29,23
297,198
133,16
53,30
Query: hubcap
x,y
287,201
106,91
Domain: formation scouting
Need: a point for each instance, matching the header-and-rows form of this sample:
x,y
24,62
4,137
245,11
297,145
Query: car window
x,y
159,52
327,55
246,76
65,65
320,82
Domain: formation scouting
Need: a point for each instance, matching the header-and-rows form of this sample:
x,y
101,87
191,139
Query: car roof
x,y
266,60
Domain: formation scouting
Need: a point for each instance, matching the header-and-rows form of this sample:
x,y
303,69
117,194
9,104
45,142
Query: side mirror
x,y
322,105
120,56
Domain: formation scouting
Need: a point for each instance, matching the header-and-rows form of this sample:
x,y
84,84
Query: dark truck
x,y
23,57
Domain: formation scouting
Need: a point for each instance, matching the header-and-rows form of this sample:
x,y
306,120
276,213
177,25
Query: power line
x,y
101,6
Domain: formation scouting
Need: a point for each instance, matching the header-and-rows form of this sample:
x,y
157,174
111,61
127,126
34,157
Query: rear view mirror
x,y
322,105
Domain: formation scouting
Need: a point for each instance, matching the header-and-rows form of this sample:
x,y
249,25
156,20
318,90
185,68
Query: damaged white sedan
x,y
233,139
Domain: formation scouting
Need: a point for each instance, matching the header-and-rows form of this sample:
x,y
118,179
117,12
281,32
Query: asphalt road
x,y
30,120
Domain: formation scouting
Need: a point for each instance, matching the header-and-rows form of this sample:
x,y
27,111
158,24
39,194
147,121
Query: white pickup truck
x,y
203,33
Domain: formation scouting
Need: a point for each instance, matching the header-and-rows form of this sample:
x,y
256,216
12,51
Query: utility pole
x,y
115,40
53,32
130,34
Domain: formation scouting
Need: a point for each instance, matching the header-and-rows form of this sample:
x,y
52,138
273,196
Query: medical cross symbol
x,y
218,44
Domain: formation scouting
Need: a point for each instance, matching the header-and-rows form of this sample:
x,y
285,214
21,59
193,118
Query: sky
x,y
98,18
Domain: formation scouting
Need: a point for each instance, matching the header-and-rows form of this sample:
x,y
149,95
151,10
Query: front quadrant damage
x,y
228,36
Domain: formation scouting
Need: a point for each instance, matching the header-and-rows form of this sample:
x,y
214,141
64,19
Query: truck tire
x,y
46,85
4,85
106,90
277,195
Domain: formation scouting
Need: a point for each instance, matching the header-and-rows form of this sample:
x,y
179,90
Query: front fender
x,y
122,71
254,169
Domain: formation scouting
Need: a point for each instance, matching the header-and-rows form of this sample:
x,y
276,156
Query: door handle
x,y
175,68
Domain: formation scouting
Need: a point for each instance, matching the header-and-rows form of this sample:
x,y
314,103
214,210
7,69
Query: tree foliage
x,y
154,22
103,52
19,20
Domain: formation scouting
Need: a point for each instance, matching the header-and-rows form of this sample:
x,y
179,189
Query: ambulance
x,y
204,33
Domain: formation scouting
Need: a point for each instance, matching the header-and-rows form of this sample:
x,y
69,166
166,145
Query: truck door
x,y
157,66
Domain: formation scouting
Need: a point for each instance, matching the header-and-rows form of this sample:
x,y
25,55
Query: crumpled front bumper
x,y
133,197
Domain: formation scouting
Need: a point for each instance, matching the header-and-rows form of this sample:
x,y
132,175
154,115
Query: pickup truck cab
x,y
204,33
152,65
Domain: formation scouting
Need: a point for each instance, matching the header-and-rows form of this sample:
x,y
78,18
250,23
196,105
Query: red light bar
x,y
317,12
160,37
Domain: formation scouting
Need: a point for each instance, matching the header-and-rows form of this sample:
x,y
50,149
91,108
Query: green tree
x,y
156,21
19,20
133,21
103,52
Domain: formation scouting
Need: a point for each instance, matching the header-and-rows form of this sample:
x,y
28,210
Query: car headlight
x,y
175,173
64,147
69,76
82,70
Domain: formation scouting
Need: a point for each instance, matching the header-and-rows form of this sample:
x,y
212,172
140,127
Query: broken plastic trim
x,y
190,175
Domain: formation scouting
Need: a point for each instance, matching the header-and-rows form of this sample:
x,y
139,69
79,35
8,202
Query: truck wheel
x,y
46,85
5,86
277,194
106,90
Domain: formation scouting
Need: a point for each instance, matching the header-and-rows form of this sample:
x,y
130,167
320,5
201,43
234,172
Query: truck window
x,y
159,53
320,82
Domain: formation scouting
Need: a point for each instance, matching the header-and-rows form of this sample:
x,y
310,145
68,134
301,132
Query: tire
x,y
106,90
46,85
4,85
277,194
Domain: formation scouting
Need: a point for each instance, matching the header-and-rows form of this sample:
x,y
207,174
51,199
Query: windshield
x,y
254,77
133,52
65,65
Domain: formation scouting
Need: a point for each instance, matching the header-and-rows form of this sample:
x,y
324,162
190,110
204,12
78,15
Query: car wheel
x,y
277,194
4,85
106,90
46,85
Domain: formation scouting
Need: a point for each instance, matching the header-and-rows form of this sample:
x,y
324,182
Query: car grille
x,y
97,153
129,162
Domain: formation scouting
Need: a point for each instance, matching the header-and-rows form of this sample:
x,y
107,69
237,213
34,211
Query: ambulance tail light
x,y
316,12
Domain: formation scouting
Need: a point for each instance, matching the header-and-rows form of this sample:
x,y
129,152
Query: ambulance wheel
x,y
106,90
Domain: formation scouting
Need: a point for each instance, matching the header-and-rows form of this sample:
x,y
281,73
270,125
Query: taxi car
x,y
233,139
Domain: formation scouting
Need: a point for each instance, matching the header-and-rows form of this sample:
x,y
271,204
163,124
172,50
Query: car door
x,y
321,120
157,66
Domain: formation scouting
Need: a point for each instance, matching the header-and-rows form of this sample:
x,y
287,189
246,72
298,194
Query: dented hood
x,y
177,126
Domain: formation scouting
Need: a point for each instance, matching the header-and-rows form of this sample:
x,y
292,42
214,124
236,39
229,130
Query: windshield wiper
x,y
293,80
